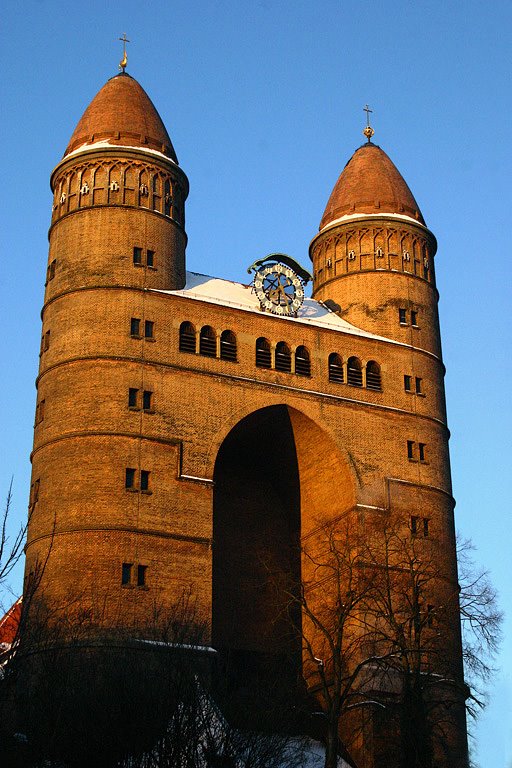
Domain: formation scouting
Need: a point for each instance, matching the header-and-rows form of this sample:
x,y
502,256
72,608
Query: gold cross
x,y
368,131
124,60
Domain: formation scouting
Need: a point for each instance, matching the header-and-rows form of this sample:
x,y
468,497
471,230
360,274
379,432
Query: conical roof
x,y
122,113
370,183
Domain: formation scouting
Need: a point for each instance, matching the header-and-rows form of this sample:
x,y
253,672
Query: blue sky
x,y
263,102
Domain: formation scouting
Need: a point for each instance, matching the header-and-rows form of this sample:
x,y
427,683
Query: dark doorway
x,y
256,557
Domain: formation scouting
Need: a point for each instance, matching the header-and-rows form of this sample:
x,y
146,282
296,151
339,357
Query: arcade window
x,y
228,346
335,368
207,341
283,357
187,338
302,362
263,353
354,372
373,377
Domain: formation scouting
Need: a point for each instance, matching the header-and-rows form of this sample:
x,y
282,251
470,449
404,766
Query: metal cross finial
x,y
368,131
124,60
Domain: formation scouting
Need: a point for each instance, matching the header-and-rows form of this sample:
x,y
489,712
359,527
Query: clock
x,y
279,289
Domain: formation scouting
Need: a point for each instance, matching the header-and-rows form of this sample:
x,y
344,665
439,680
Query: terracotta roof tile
x,y
370,183
122,113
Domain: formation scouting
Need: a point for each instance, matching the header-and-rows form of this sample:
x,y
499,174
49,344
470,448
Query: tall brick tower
x,y
186,423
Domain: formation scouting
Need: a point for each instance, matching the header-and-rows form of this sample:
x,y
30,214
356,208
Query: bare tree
x,y
11,548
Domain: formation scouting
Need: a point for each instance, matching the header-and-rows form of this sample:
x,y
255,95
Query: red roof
x,y
10,622
370,183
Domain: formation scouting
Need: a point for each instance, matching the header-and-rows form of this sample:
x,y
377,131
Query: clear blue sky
x,y
263,102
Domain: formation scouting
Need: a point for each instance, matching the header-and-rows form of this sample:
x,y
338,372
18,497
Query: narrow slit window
x,y
141,575
422,451
414,318
135,327
407,383
133,395
402,316
419,386
144,480
414,525
126,573
129,481
426,530
410,450
149,329
147,400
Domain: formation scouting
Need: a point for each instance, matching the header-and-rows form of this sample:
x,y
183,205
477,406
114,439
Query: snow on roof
x,y
215,290
105,144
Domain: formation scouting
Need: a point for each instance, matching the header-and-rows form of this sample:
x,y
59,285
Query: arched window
x,y
263,354
373,379
283,357
302,362
335,368
354,372
228,346
208,341
187,337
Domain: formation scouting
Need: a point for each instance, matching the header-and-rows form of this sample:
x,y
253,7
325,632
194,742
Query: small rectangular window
x,y
419,386
46,341
137,255
130,478
407,383
133,395
402,316
425,527
126,573
51,270
410,449
135,327
414,318
34,492
422,448
150,259
414,525
146,400
141,575
149,327
144,480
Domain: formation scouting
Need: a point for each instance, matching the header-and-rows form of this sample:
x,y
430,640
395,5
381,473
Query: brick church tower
x,y
180,424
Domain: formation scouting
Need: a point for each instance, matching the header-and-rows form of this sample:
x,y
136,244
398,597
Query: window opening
x,y
283,357
141,575
228,346
147,398
422,448
302,362
373,377
208,342
414,525
144,480
414,318
126,573
263,353
354,372
410,450
149,328
130,478
132,397
137,255
425,527
407,383
150,258
135,327
187,338
419,386
335,368
402,316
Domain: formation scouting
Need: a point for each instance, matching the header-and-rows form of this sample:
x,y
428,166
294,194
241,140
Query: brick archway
x,y
277,477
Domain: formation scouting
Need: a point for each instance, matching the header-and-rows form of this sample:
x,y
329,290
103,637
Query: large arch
x,y
278,476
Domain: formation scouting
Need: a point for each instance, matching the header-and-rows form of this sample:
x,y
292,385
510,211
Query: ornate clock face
x,y
279,289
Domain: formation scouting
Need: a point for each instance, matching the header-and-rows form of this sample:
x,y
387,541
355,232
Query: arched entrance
x,y
277,477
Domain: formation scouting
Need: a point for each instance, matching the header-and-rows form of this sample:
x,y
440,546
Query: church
x,y
186,423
